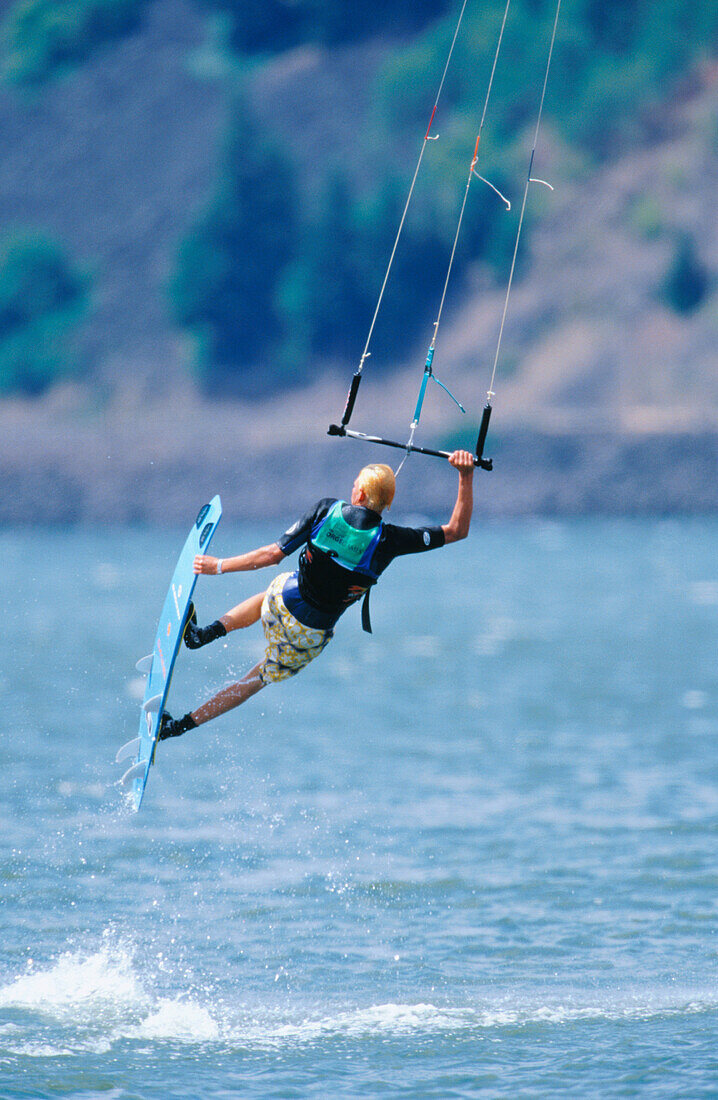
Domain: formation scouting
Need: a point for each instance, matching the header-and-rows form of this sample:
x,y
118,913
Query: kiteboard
x,y
159,664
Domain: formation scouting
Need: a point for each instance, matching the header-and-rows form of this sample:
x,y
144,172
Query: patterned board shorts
x,y
290,644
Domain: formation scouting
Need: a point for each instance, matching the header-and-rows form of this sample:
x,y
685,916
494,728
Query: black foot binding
x,y
175,727
197,636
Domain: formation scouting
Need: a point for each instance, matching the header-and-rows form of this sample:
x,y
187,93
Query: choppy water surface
x,y
474,855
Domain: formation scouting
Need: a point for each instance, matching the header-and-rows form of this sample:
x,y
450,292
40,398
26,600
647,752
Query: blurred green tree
x,y
269,26
41,38
325,293
330,293
614,26
223,289
42,299
261,26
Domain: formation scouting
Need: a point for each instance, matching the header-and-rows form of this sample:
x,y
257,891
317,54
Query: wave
x,y
387,1021
89,1002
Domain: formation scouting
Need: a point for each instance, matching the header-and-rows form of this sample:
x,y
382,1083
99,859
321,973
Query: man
x,y
346,546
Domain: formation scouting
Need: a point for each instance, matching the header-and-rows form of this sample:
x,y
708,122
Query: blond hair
x,y
379,484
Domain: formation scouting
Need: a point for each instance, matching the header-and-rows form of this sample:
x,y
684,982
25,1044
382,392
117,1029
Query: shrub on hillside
x,y
40,38
42,298
687,281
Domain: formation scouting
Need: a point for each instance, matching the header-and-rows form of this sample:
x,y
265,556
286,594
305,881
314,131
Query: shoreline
x,y
152,464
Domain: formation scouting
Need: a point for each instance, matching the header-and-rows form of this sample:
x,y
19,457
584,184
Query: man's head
x,y
374,487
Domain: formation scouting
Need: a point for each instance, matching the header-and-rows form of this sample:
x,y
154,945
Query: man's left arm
x,y
458,526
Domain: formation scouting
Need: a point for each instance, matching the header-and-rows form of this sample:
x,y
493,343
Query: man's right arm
x,y
272,554
458,526
254,559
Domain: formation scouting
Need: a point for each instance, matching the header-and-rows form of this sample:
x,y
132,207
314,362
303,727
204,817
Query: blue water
x,y
474,855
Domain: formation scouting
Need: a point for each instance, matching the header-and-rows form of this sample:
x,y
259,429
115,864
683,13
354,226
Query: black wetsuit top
x,y
321,590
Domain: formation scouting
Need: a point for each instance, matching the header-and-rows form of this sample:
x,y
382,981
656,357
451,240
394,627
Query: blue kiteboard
x,y
159,664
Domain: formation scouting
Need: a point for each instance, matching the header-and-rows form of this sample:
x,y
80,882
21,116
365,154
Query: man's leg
x,y
227,699
244,614
230,697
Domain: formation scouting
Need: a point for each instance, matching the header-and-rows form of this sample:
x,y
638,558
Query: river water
x,y
473,855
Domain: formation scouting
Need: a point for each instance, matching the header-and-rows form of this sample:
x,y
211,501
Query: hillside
x,y
599,381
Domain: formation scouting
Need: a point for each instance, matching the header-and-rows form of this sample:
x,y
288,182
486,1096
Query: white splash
x,y
180,1022
98,999
79,986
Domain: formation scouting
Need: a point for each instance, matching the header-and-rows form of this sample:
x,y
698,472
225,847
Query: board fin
x,y
135,772
144,664
131,748
152,706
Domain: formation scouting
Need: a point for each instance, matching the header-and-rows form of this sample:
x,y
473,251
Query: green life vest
x,y
350,547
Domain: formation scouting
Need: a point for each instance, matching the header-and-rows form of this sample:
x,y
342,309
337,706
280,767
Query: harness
x,y
350,547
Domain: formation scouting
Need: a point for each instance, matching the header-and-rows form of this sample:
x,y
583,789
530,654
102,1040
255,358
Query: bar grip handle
x,y
351,398
485,463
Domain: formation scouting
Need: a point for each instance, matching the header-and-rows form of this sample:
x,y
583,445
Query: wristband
x,y
220,563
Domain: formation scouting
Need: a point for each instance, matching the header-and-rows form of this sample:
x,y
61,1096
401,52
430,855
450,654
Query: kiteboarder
x,y
345,548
